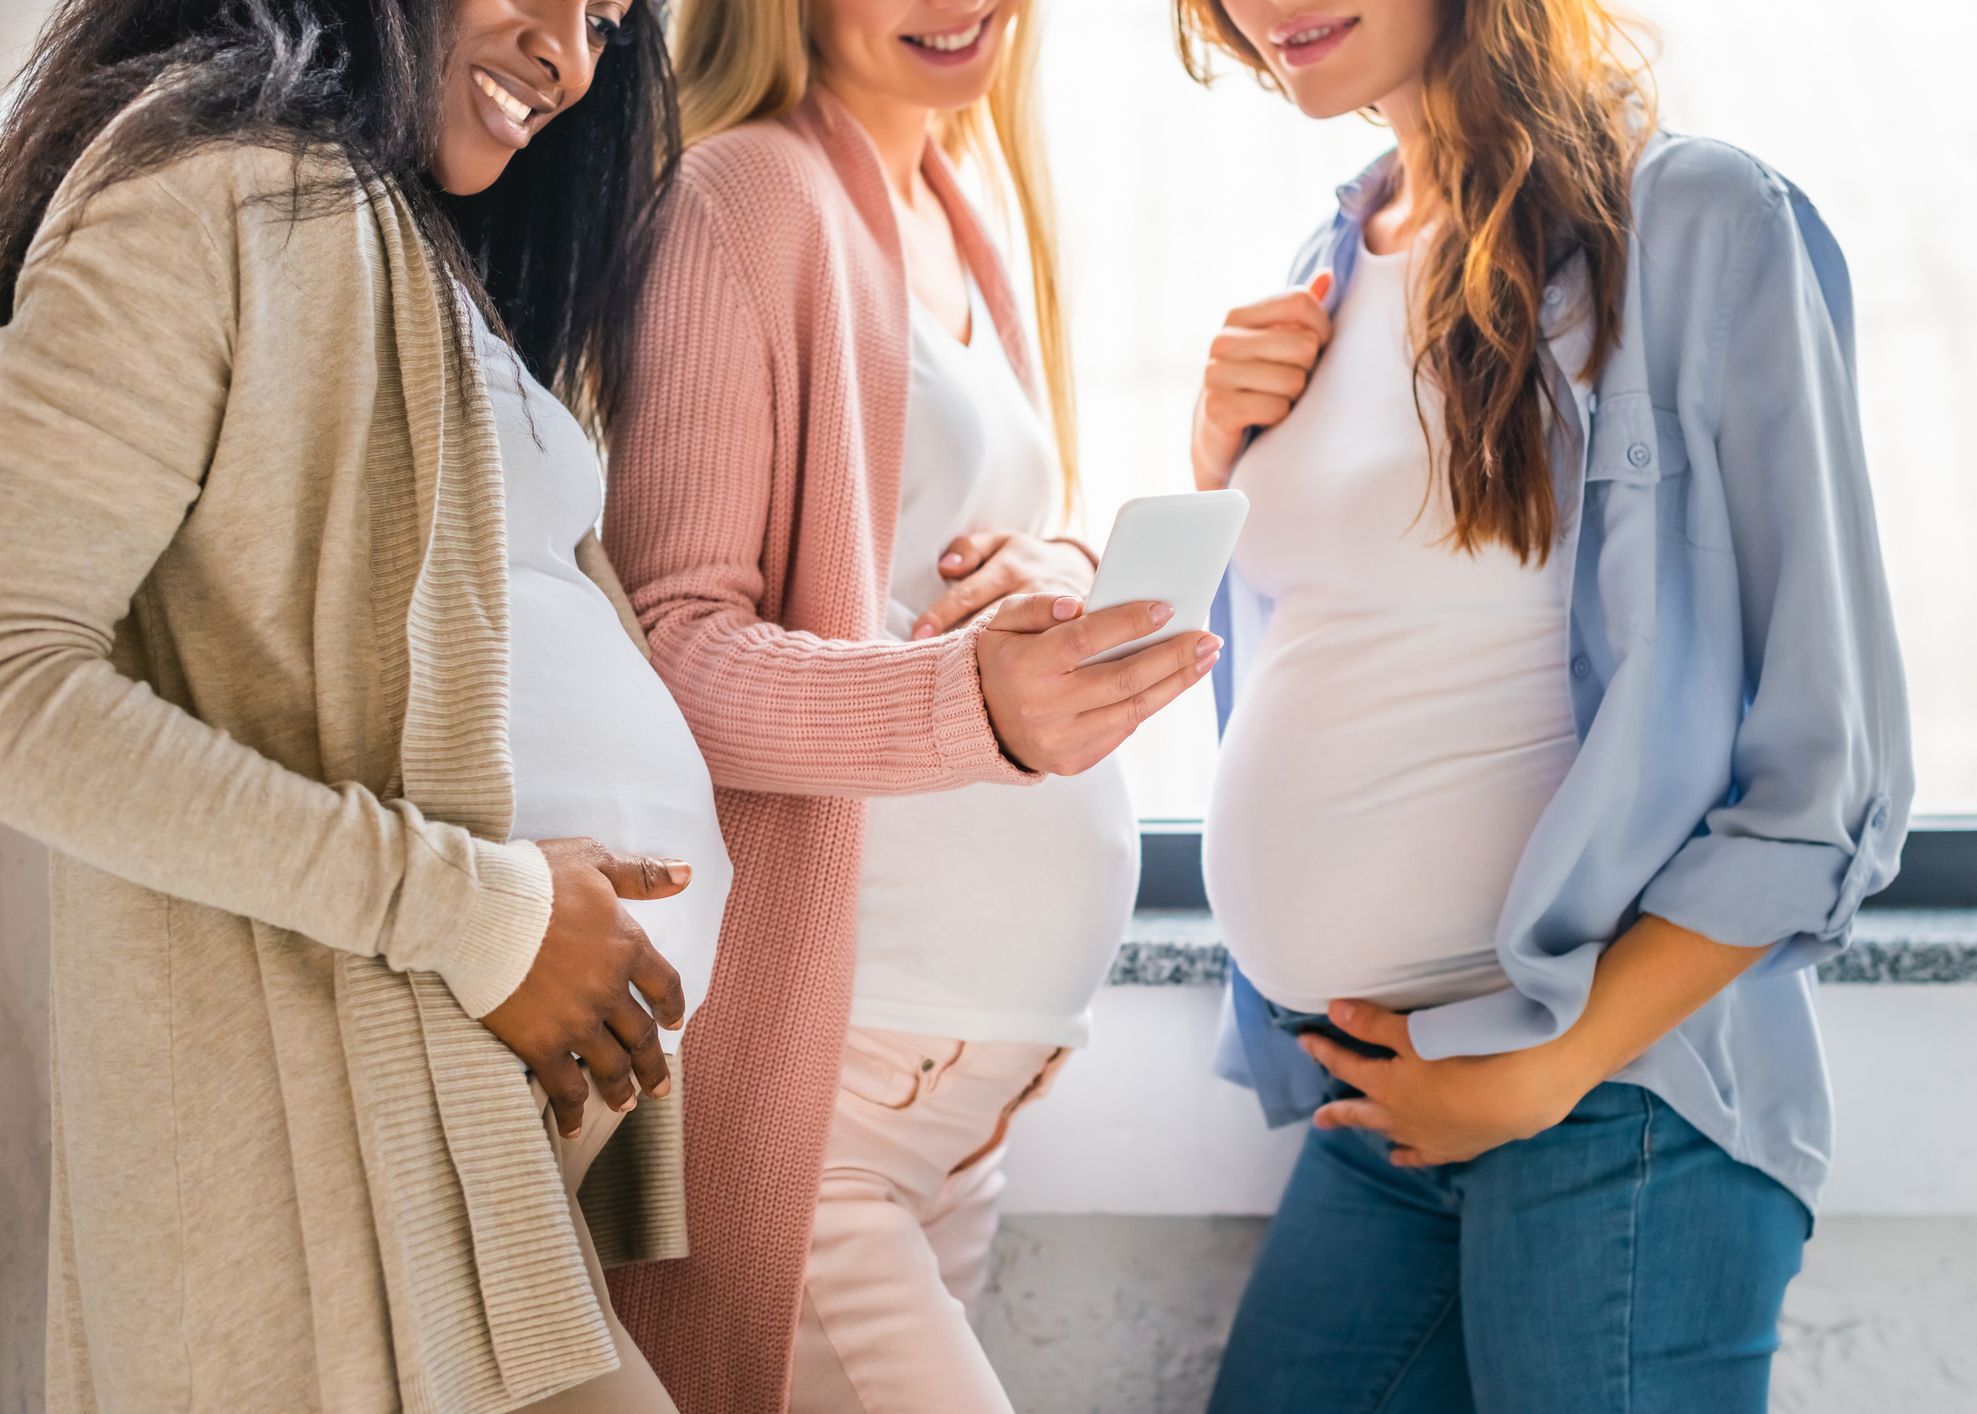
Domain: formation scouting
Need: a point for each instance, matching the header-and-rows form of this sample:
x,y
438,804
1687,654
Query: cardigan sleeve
x,y
694,462
115,373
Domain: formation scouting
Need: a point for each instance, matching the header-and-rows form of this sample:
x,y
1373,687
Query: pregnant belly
x,y
1362,834
998,899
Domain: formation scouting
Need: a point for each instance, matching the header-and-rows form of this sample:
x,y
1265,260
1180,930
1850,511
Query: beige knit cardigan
x,y
252,542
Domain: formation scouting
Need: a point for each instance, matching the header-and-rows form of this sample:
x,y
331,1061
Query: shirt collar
x,y
1357,195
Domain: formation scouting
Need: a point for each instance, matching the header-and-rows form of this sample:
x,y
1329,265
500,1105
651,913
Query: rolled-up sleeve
x,y
1821,770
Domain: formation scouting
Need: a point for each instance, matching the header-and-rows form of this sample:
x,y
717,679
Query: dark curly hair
x,y
554,252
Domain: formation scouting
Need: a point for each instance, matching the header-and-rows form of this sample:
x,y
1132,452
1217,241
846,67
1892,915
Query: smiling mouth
x,y
512,108
952,42
1315,34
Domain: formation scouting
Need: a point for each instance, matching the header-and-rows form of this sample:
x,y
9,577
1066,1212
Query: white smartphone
x,y
1170,548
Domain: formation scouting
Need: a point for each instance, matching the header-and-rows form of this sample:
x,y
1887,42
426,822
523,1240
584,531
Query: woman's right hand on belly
x,y
576,1000
1257,369
1052,715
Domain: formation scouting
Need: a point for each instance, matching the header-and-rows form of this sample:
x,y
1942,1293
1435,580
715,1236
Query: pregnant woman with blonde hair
x,y
836,455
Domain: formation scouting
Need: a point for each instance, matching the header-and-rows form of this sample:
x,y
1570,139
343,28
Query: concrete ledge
x,y
1183,948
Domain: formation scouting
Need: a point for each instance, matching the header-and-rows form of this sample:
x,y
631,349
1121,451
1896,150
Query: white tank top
x,y
599,746
1406,719
988,913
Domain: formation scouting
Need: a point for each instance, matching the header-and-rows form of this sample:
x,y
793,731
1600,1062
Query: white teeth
x,y
948,43
512,108
1310,36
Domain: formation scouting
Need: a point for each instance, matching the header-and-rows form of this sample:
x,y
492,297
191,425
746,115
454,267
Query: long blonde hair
x,y
1536,111
737,60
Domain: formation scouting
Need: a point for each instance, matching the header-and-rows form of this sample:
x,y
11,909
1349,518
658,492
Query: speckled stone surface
x,y
1183,947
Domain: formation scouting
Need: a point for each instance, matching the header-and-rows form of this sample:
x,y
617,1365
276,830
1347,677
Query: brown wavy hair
x,y
1535,113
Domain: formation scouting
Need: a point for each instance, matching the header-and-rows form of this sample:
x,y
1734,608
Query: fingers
x,y
643,877
1354,1114
1102,684
1280,346
639,1035
610,1066
563,1082
966,597
1108,726
1077,640
1360,1072
1235,409
1036,613
967,553
659,982
1298,306
1365,1021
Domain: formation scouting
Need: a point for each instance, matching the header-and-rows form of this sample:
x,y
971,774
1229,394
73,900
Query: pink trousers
x,y
906,1214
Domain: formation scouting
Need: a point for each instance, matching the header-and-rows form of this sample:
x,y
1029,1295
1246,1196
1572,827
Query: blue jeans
x,y
1617,1262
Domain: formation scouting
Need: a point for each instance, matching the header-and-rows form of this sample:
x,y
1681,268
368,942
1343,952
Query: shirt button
x,y
1880,820
1639,454
1582,666
1553,294
926,1063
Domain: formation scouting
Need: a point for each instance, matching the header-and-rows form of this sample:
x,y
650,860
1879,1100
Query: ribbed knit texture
x,y
753,494
254,543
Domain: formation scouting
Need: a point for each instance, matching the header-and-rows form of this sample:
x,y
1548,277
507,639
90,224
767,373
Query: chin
x,y
1322,100
468,173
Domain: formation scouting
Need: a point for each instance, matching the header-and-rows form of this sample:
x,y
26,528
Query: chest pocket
x,y
1638,456
1636,514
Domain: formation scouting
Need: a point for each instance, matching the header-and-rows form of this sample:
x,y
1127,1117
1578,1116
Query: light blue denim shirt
x,y
1744,766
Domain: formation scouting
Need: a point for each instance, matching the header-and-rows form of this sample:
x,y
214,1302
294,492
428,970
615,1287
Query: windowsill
x,y
1183,947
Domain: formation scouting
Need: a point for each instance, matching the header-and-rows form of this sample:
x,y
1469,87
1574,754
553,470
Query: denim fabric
x,y
1618,1263
1744,767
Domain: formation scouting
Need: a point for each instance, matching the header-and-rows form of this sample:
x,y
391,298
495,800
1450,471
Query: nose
x,y
555,42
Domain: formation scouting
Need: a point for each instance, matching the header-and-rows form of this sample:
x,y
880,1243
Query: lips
x,y
1309,38
951,45
515,102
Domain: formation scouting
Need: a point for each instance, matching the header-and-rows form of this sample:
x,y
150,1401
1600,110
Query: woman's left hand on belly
x,y
1441,1111
990,565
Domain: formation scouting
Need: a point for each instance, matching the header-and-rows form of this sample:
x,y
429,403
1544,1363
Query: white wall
x,y
1138,1125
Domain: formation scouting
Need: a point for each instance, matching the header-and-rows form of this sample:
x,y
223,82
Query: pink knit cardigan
x,y
753,491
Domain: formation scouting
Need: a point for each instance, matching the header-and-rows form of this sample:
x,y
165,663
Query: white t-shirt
x,y
1406,719
992,912
599,746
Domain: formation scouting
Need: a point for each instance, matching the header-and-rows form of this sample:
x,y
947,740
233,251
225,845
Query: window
x,y
1179,203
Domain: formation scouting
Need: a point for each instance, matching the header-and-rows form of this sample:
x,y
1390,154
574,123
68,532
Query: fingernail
x,y
1344,1013
631,1100
949,561
672,1025
923,631
1162,613
1202,665
1209,644
1066,608
678,871
663,1088
1322,285
576,1133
